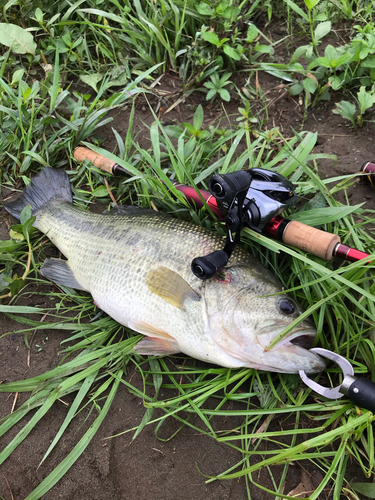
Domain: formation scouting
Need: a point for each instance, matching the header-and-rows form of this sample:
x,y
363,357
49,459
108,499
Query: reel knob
x,y
226,187
206,267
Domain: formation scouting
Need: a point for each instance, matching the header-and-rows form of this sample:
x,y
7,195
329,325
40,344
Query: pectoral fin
x,y
58,271
157,342
156,347
149,330
170,287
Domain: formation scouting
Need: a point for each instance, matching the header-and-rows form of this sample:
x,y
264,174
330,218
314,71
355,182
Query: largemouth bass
x,y
136,265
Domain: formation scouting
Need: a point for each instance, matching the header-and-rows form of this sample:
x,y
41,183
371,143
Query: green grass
x,y
43,121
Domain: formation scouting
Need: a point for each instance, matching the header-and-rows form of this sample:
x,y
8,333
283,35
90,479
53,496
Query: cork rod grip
x,y
104,164
310,240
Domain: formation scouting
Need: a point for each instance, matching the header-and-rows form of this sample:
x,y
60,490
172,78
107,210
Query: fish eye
x,y
286,306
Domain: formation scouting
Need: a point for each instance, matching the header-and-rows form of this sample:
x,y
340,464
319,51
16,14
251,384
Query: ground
x,y
120,468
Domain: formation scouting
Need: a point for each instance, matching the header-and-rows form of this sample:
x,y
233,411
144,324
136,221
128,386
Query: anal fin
x,y
58,271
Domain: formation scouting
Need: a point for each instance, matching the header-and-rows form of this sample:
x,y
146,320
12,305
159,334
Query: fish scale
x,y
136,264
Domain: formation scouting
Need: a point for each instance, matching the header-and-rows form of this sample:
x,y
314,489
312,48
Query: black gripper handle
x,y
362,393
206,267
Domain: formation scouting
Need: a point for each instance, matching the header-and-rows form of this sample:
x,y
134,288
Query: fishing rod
x,y
254,198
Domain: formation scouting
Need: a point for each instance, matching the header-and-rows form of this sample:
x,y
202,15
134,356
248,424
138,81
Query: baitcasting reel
x,y
247,198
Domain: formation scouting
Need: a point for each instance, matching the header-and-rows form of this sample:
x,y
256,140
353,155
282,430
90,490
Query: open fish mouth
x,y
305,341
300,337
292,353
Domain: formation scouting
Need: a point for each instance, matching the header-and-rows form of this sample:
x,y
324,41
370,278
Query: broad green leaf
x,y
252,33
211,94
310,84
204,9
365,99
209,85
211,37
322,29
346,110
16,285
264,49
368,63
190,129
17,75
19,40
92,80
38,15
299,52
224,94
343,59
25,214
310,4
10,245
225,77
232,53
367,489
330,52
319,61
198,118
16,236
100,192
295,89
336,82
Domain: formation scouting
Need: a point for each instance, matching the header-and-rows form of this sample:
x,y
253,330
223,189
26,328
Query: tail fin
x,y
48,184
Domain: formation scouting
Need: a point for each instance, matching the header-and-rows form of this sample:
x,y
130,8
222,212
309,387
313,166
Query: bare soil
x,y
148,468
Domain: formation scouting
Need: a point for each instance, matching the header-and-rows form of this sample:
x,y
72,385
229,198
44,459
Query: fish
x,y
136,264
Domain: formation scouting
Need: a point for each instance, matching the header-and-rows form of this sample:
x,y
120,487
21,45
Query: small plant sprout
x,y
365,99
216,86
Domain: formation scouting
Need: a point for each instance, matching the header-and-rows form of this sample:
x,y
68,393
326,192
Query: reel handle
x,y
206,267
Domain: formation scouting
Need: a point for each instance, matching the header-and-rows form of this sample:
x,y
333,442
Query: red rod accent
x,y
273,226
192,196
347,253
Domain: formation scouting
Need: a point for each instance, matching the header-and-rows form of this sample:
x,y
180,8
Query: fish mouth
x,y
305,341
294,350
300,338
